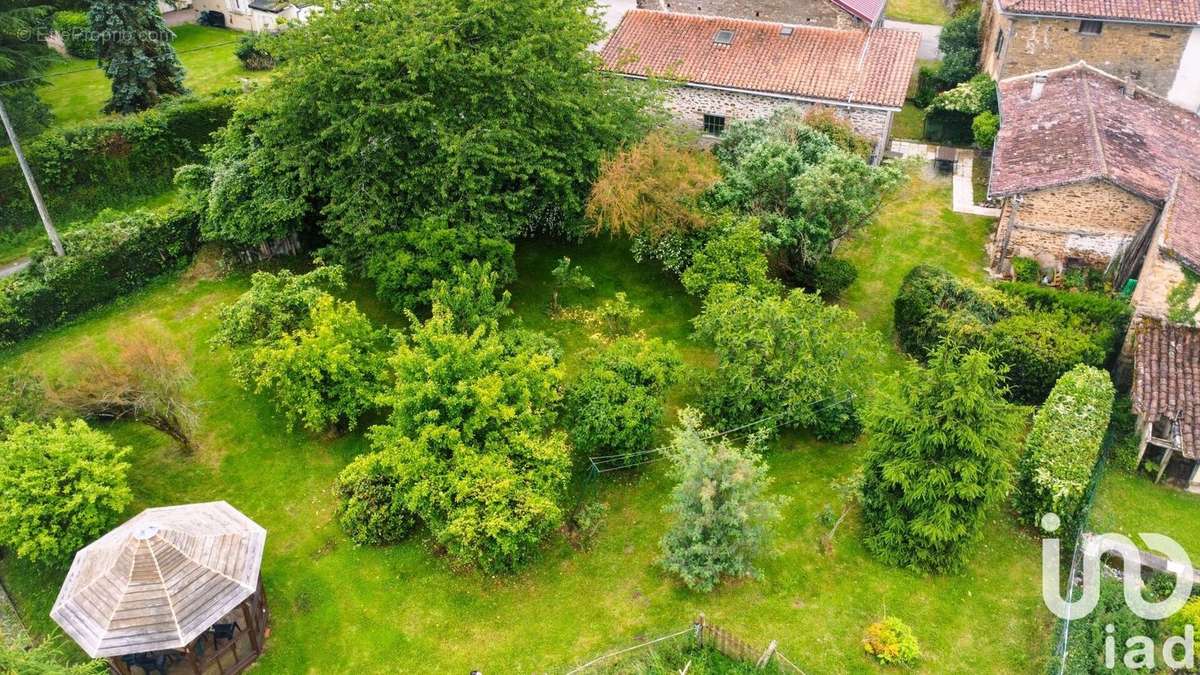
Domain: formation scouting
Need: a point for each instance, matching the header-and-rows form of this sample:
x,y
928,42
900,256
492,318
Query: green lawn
x,y
1131,504
909,123
77,90
917,11
341,608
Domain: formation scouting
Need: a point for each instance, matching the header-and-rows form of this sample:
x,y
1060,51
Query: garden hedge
x,y
103,262
1036,333
1063,446
101,163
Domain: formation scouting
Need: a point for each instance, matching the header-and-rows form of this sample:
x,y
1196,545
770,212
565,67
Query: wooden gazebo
x,y
173,590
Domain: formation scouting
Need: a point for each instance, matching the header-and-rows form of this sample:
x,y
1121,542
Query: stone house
x,y
1166,399
737,69
1085,164
847,14
259,15
1156,41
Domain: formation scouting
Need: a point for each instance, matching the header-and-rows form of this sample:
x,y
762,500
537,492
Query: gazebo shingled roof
x,y
161,579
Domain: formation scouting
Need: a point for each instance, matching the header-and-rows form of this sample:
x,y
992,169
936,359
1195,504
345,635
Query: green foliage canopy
x,y
62,485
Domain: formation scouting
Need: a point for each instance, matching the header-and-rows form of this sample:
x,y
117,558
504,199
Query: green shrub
x,y
617,315
892,642
735,256
1088,636
928,86
1178,622
101,163
1038,348
1026,270
61,485
251,53
617,403
1063,446
985,127
76,33
829,277
840,131
932,304
1109,315
372,511
103,262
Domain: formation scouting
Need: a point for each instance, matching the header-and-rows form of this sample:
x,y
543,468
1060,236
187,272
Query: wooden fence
x,y
738,649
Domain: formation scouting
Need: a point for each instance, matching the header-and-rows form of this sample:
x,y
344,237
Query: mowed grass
x,y
1132,504
77,90
917,11
341,608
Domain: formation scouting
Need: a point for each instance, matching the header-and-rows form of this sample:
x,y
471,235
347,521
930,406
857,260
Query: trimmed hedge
x,y
103,262
1036,333
101,163
1063,447
76,33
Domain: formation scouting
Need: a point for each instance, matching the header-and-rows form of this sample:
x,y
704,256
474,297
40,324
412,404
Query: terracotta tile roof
x,y
1166,379
867,10
1084,127
1181,222
1150,11
851,66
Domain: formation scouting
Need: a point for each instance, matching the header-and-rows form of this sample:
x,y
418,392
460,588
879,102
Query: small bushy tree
x,y
942,441
471,297
372,510
62,485
737,255
471,439
568,276
721,507
652,188
1063,446
617,403
617,315
792,357
134,47
960,47
326,374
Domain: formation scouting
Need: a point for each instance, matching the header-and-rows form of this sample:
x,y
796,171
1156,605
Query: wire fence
x,y
701,634
1074,582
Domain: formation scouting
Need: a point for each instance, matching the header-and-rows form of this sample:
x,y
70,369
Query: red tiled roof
x,y
867,10
1084,127
851,66
1181,222
1150,11
1166,379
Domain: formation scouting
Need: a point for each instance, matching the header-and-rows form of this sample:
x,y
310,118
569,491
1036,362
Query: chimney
x,y
1039,85
1130,87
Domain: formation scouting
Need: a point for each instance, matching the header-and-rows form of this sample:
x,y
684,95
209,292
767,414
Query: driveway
x,y
928,51
613,10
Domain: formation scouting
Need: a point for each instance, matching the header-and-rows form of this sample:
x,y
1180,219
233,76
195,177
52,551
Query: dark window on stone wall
x,y
1091,27
714,125
999,42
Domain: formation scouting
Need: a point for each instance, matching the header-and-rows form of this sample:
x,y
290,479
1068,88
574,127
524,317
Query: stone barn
x,y
735,69
1085,164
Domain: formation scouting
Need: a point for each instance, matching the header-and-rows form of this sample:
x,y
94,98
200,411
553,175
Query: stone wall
x,y
1160,274
689,105
1033,44
1088,222
797,12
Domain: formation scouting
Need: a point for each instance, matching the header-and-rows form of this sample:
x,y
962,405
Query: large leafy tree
x,y
22,58
133,45
431,133
469,441
793,358
61,485
943,441
721,507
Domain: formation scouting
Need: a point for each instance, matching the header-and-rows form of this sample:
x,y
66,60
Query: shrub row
x,y
1063,446
1036,333
103,262
100,163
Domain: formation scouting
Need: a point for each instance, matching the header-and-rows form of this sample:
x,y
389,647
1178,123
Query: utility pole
x,y
33,188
